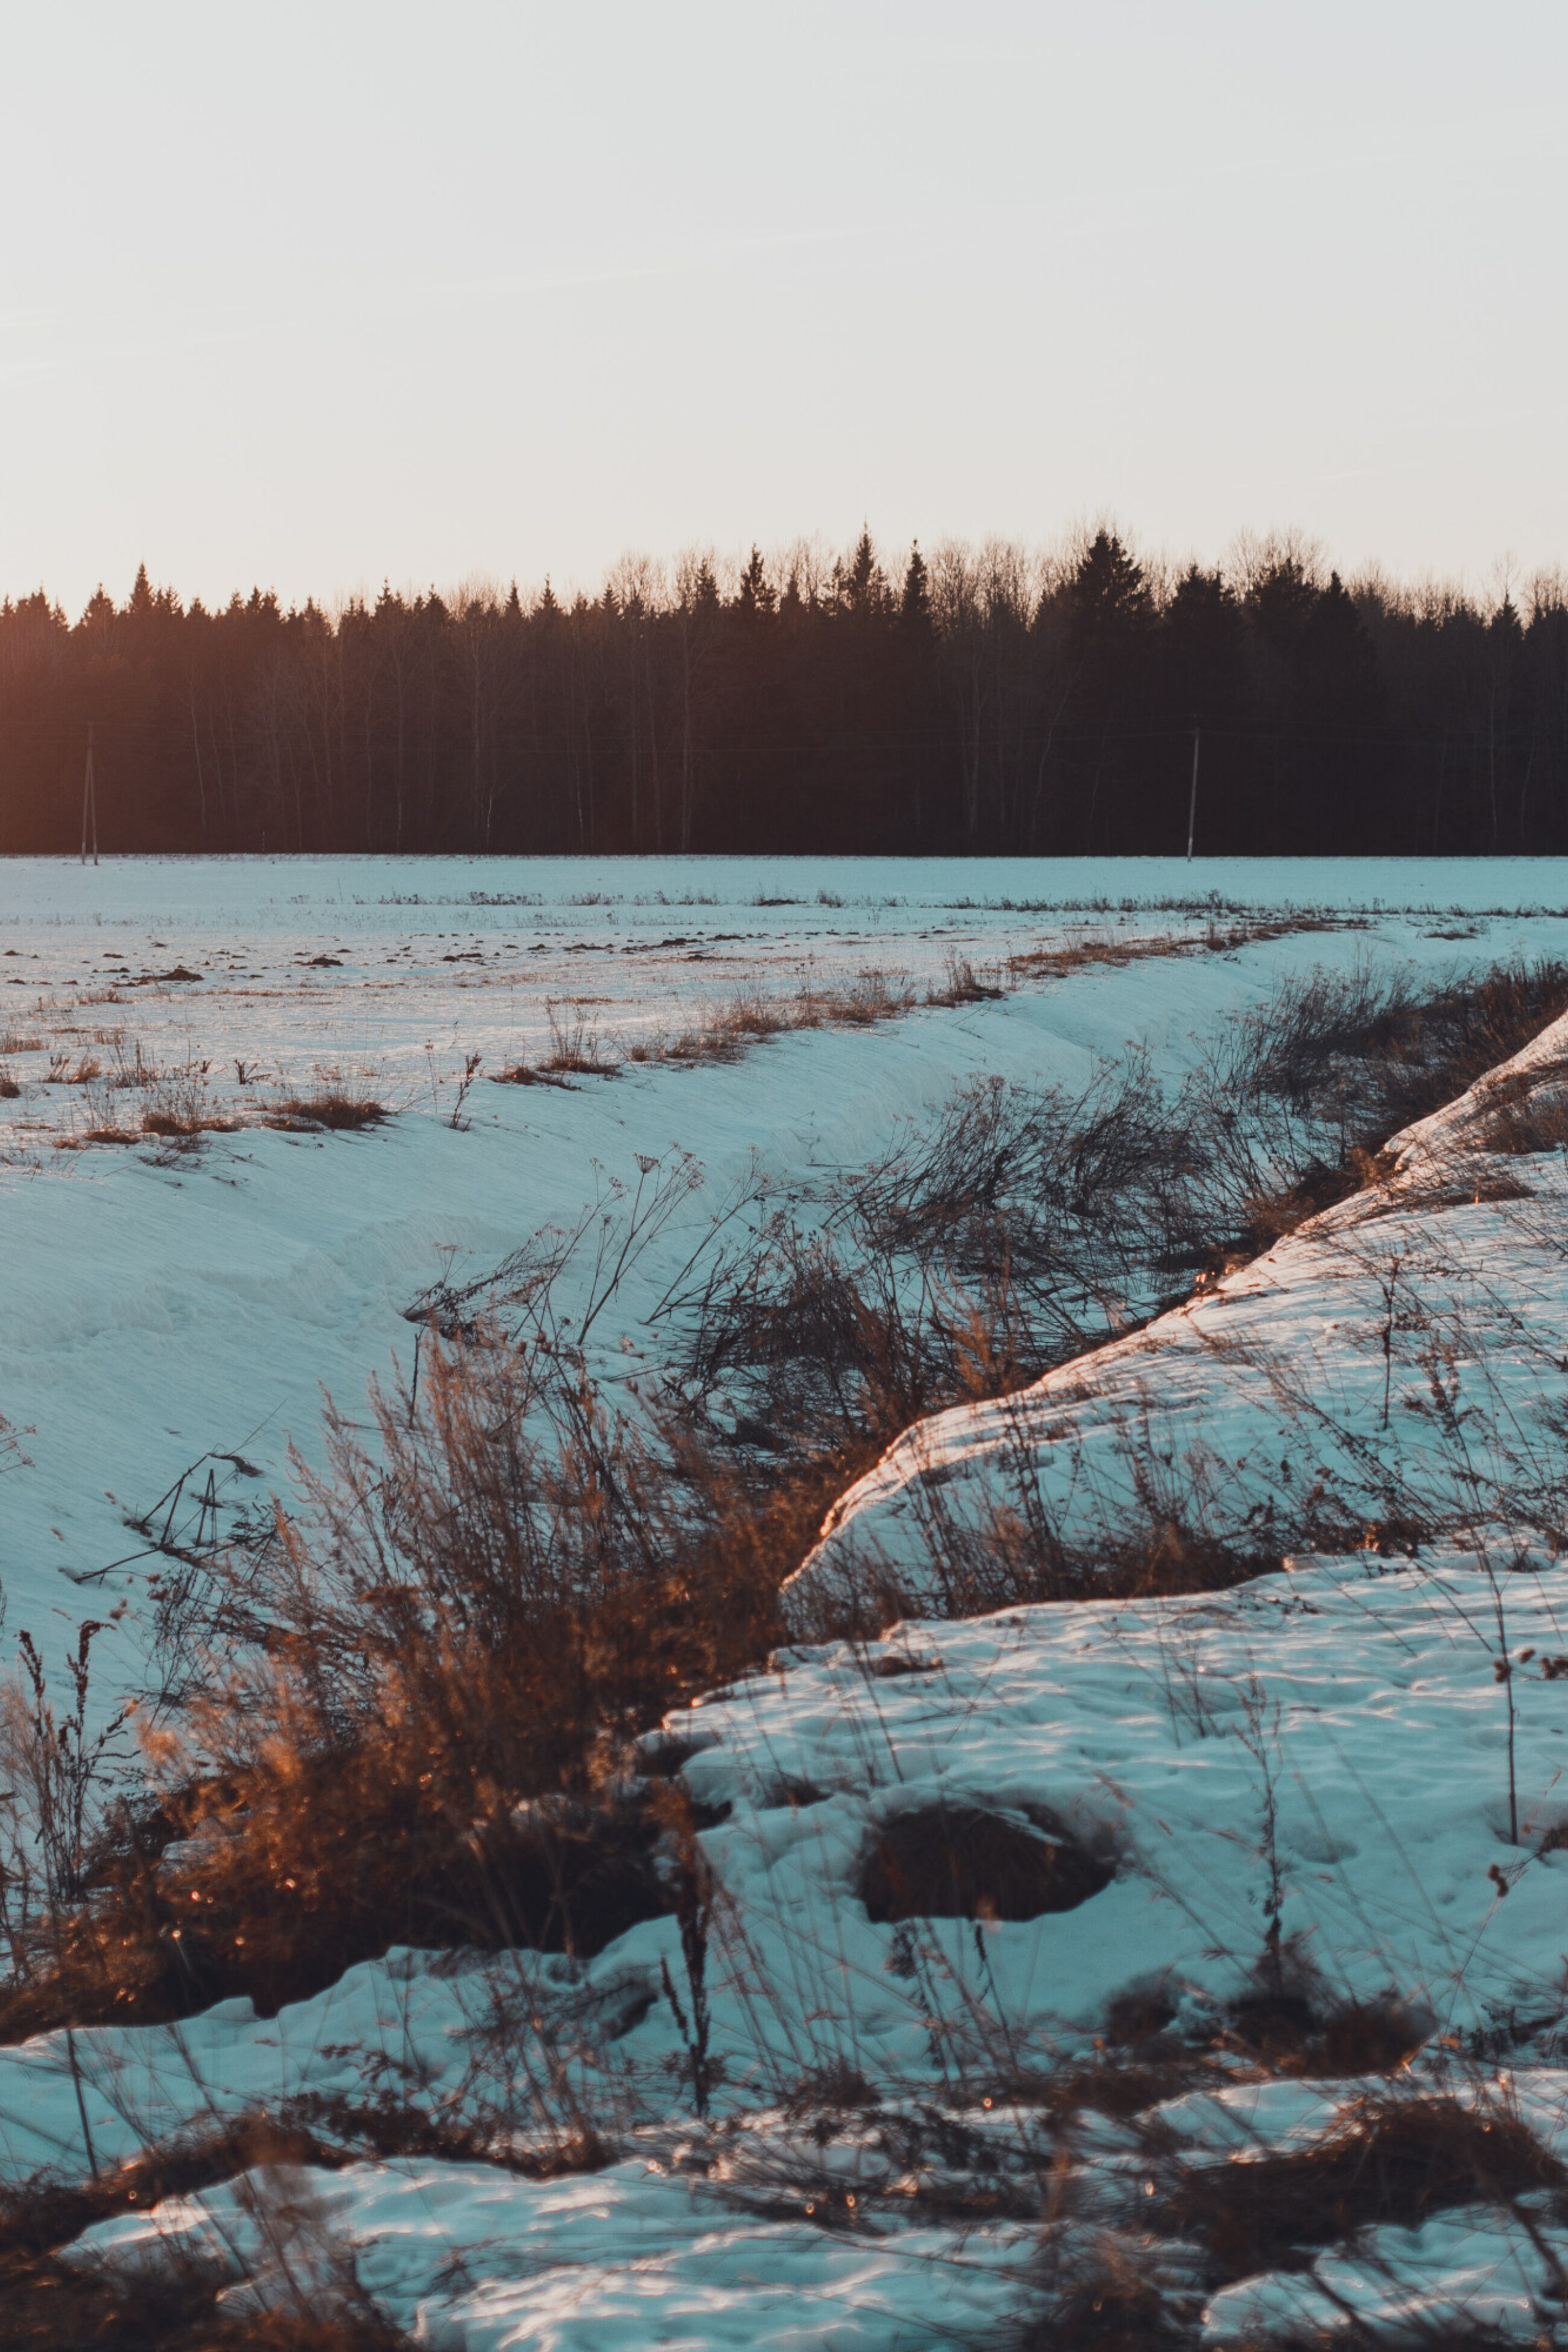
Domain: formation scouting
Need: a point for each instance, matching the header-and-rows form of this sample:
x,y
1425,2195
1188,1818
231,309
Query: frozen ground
x,y
1323,1764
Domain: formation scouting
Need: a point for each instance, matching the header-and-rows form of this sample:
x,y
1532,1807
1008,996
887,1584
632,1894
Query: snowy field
x,y
1324,1767
164,1309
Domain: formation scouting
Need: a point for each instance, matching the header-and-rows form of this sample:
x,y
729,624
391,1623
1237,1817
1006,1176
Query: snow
x,y
1351,1698
1465,2269
476,2260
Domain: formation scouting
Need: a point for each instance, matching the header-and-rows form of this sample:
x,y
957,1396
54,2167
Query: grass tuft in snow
x,y
335,1106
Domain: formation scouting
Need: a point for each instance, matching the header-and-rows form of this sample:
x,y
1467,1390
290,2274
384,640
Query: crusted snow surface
x,y
473,2259
1472,2270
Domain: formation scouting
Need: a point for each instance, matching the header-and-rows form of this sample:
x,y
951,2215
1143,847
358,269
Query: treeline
x,y
984,700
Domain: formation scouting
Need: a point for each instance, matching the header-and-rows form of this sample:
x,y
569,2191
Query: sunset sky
x,y
311,295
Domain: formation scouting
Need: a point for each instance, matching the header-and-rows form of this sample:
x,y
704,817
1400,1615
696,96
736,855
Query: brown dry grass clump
x,y
173,1125
338,1108
752,1014
574,1047
434,1671
1396,2160
575,1051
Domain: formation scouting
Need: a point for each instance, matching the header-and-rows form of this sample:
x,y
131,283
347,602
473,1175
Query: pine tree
x,y
914,603
755,596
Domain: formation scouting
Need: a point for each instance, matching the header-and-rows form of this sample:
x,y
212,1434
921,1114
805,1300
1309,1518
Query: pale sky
x,y
312,295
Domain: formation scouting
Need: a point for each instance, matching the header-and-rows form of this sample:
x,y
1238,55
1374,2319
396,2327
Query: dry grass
x,y
752,1014
172,1124
171,2306
453,1642
338,1107
575,1051
1527,1111
49,2305
1054,963
961,985
1385,2159
174,1114
574,1047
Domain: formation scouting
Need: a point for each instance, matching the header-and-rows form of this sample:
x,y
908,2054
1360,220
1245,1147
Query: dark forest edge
x,y
985,700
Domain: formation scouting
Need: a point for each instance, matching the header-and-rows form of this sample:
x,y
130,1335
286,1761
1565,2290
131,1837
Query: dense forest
x,y
980,700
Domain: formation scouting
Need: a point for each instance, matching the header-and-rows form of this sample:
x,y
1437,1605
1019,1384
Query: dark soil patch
x,y
959,1862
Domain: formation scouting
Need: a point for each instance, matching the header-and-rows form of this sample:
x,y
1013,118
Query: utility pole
x,y
89,804
1191,803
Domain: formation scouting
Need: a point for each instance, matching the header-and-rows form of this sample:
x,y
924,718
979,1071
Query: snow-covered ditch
x,y
1339,1787
169,1312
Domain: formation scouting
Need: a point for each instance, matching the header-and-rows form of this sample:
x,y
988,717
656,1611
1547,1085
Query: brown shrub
x,y
1288,2031
48,2304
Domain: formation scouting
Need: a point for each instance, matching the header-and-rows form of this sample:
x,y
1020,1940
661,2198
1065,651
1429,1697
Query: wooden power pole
x,y
1192,802
89,804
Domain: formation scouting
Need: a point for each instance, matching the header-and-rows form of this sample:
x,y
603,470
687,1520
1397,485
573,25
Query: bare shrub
x,y
1108,2297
